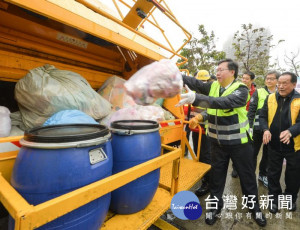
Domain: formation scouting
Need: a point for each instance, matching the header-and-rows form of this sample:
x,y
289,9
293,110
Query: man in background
x,y
256,103
248,79
280,121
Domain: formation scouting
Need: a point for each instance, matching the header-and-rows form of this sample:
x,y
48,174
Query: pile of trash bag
x,y
138,112
125,108
47,90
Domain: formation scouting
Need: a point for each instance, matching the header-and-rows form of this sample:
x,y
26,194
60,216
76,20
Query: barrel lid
x,y
65,133
130,127
134,124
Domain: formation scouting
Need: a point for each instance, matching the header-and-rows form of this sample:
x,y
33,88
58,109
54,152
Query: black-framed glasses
x,y
271,79
220,70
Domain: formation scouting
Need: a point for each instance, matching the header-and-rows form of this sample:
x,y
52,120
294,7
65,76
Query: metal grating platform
x,y
190,173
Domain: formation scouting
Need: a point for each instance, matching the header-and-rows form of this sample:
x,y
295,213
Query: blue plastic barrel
x,y
134,142
57,159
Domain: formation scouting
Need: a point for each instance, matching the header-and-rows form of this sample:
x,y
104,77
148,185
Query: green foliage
x,y
252,48
201,53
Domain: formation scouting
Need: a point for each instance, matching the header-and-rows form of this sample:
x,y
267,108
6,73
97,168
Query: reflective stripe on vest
x,y
228,137
256,120
294,113
228,127
232,129
262,94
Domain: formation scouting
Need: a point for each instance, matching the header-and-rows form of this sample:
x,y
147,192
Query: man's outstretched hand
x,y
187,98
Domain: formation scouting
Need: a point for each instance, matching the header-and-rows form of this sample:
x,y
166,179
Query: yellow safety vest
x,y
262,94
294,112
230,125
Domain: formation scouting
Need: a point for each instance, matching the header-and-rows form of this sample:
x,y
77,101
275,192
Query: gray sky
x,y
281,17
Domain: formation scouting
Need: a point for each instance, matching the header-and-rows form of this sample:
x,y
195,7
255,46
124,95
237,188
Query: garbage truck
x,y
98,40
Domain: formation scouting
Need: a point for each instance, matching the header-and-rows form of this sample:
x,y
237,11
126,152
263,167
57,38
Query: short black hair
x,y
251,74
213,77
293,76
231,65
276,73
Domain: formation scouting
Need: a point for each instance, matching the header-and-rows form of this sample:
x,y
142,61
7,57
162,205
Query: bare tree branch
x,y
292,62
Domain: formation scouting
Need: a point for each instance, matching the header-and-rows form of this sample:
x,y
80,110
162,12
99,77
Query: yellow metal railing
x,y
186,71
10,139
30,217
163,7
185,141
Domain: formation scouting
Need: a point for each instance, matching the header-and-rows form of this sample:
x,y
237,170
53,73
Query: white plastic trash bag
x,y
138,112
5,122
160,79
46,90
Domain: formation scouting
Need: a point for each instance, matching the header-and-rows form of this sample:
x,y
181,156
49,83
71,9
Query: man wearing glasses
x,y
228,129
280,121
256,103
